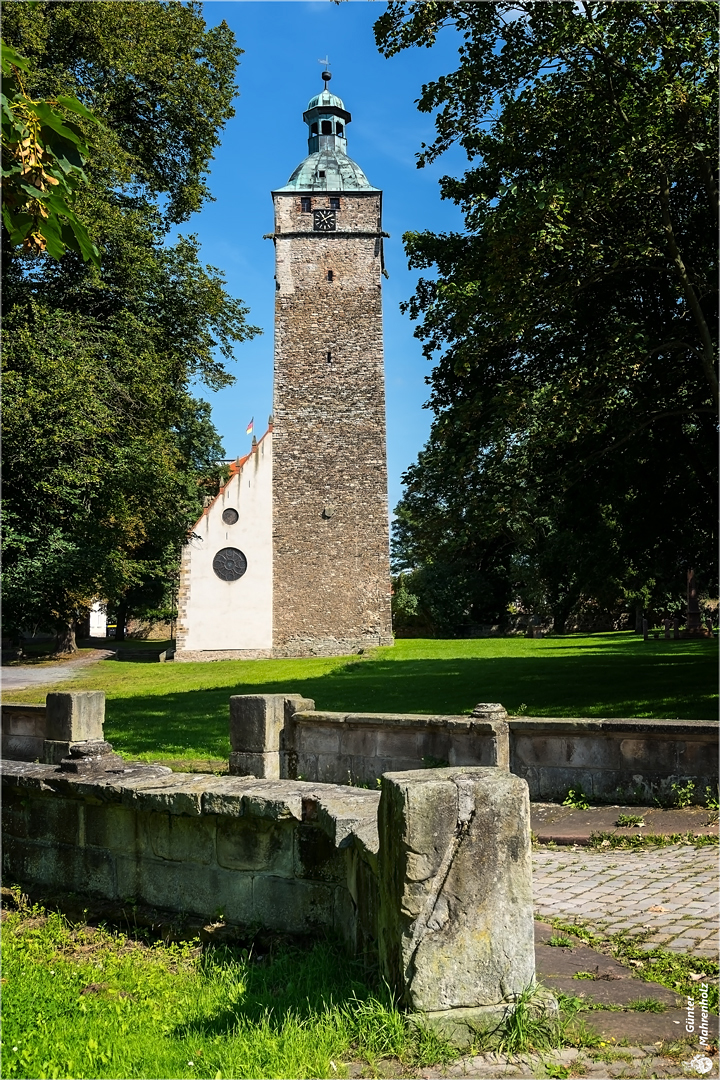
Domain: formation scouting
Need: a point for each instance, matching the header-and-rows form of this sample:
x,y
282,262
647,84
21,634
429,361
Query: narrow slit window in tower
x,y
330,277
306,205
334,204
329,358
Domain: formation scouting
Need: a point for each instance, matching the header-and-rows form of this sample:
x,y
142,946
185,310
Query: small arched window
x,y
338,129
326,127
313,129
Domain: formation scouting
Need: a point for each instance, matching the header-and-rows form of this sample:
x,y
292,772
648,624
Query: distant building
x,y
291,558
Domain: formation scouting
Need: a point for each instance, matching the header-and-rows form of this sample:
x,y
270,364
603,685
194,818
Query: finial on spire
x,y
326,76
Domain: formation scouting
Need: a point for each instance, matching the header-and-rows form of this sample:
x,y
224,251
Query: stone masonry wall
x,y
613,760
442,890
278,855
281,735
330,516
46,733
359,749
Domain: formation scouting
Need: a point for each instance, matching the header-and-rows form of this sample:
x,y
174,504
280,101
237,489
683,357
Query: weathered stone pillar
x,y
72,719
456,915
257,722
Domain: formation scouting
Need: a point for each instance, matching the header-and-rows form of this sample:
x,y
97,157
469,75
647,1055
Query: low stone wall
x,y
46,733
277,855
284,736
23,732
275,735
441,891
613,760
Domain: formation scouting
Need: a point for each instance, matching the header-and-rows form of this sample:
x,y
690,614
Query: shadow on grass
x,y
659,684
300,981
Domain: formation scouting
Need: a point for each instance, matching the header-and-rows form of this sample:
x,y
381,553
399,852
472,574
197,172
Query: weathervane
x,y
326,73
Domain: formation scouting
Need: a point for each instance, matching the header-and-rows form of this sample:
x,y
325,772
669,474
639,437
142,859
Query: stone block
x,y
292,906
456,915
29,722
266,766
15,815
182,839
189,888
651,755
256,721
553,783
316,856
592,750
22,747
531,749
322,738
434,743
700,758
75,717
66,867
306,767
358,741
334,769
115,828
345,919
255,844
54,750
398,742
56,820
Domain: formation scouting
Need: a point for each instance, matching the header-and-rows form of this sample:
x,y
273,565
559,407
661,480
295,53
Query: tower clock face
x,y
324,220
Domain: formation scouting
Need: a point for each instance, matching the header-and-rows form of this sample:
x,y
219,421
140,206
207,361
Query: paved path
x,y
20,676
617,890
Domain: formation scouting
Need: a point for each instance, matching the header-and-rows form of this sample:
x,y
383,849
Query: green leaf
x,y
11,58
52,119
76,106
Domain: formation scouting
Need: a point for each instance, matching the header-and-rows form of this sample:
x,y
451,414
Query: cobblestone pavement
x,y
628,1061
673,891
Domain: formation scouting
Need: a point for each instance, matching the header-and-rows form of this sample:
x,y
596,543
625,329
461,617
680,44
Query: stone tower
x,y
331,574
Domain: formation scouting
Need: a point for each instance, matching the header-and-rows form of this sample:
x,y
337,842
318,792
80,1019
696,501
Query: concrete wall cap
x,y
561,724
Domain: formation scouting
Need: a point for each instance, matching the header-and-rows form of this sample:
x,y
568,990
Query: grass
x,y
639,841
626,820
670,969
87,1002
161,711
90,1002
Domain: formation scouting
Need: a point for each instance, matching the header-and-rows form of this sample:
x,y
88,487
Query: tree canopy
x,y
107,451
575,317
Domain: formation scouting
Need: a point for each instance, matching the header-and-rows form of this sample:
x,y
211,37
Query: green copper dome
x,y
325,98
327,166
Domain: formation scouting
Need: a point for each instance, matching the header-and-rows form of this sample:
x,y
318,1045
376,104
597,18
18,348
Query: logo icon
x,y
700,1064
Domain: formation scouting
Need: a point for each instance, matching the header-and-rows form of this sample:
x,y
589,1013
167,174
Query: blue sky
x,y
261,146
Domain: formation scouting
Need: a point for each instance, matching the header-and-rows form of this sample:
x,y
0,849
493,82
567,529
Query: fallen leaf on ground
x,y
657,907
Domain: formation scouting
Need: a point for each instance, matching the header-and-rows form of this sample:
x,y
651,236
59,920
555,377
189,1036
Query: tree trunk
x,y
65,641
638,619
560,613
121,619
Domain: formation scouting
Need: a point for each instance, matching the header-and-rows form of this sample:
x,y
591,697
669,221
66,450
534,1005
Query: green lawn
x,y
85,1002
181,710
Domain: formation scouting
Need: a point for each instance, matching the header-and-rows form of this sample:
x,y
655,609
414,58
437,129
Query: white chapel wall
x,y
232,615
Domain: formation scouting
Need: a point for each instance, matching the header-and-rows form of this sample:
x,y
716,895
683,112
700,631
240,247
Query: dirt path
x,y
21,676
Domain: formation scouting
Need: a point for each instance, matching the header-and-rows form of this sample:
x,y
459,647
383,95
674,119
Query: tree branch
x,y
708,350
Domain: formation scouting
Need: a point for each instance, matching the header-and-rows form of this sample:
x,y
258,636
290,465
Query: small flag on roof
x,y
249,428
